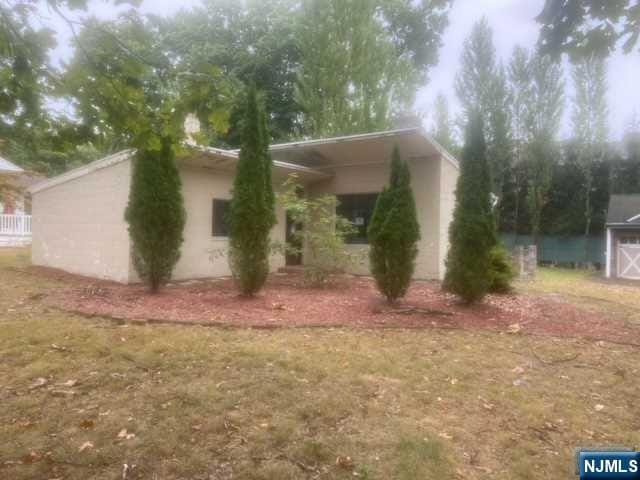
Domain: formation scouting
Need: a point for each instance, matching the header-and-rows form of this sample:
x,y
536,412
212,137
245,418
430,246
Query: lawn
x,y
588,290
91,398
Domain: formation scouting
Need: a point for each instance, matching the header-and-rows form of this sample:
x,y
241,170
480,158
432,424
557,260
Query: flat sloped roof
x,y
624,210
7,166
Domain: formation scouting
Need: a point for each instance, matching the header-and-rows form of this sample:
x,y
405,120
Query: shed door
x,y
629,257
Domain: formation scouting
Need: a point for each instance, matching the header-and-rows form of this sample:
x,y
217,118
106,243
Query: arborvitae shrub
x,y
252,211
155,214
472,233
394,232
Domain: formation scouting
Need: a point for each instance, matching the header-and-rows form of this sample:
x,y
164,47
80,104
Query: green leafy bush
x,y
322,233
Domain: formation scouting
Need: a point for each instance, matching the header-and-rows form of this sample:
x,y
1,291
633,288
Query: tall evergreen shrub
x,y
394,232
155,214
252,212
472,234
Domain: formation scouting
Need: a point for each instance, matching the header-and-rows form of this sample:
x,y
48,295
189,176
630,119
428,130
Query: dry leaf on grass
x,y
126,435
85,446
39,382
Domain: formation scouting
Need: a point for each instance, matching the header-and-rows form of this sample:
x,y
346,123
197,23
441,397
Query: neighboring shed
x,y
623,237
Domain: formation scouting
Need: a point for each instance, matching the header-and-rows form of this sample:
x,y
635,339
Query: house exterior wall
x,y
448,182
426,184
79,225
202,254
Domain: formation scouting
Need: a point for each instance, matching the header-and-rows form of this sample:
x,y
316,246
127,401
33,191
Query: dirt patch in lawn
x,y
350,302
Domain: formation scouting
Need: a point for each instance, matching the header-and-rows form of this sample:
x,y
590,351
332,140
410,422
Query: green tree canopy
x,y
585,27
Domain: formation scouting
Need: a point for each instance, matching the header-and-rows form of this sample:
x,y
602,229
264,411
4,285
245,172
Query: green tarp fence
x,y
561,249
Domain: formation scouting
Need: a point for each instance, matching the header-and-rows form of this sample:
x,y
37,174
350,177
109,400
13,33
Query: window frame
x,y
357,239
215,204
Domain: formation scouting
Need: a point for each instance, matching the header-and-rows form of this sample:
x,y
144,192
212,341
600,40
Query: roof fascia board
x,y
82,171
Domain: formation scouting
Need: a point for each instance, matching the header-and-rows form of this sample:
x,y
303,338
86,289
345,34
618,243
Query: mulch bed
x,y
350,302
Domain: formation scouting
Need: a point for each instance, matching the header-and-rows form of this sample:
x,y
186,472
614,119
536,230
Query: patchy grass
x,y
191,402
587,289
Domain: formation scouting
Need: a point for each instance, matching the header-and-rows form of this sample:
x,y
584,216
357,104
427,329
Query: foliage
x,y
35,137
394,232
443,128
584,27
155,214
474,82
361,61
537,89
250,42
590,125
252,210
128,86
481,86
322,233
472,232
501,270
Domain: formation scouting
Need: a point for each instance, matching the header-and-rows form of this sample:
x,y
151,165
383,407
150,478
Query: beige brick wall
x,y
79,226
425,179
202,254
448,181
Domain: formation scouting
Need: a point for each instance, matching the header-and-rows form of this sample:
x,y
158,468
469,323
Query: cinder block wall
x,y
79,225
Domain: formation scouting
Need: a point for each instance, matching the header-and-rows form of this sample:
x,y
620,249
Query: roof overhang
x,y
360,149
226,160
8,168
309,160
82,171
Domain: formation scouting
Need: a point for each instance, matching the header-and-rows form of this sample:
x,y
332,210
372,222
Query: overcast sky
x,y
512,22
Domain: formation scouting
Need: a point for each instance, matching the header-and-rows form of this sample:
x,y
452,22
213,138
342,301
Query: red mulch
x,y
351,302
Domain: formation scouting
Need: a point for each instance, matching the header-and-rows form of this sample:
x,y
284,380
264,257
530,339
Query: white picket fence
x,y
15,225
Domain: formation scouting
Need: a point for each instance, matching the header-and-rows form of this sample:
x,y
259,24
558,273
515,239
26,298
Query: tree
x,y
251,42
589,126
155,214
481,86
442,129
361,61
472,233
543,121
394,232
475,80
500,145
130,90
252,211
585,27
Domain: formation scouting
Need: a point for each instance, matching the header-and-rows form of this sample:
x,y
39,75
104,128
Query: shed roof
x,y
624,210
7,166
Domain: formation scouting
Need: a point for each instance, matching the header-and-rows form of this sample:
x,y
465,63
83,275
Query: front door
x,y
629,258
293,255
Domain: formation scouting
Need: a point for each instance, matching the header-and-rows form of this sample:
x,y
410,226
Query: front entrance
x,y
629,258
294,241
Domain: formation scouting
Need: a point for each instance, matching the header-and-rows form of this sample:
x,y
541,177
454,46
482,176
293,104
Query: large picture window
x,y
357,208
220,228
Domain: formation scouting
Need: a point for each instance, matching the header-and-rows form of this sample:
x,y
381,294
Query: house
x,y
623,237
15,218
78,217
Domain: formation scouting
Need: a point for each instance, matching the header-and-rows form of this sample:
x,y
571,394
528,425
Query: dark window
x,y
220,228
357,208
